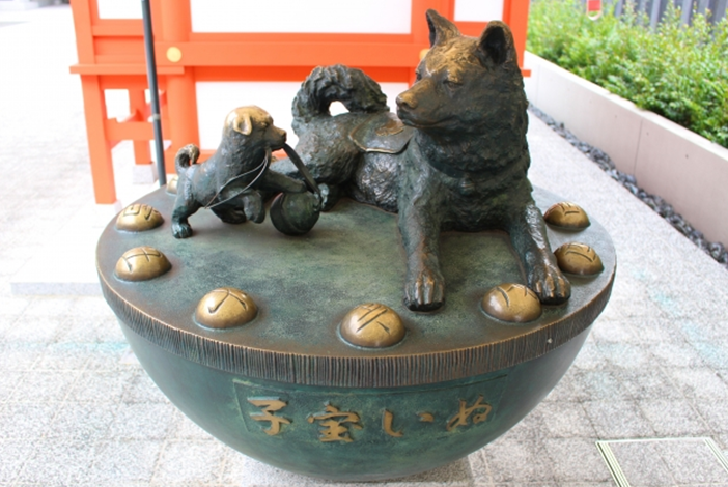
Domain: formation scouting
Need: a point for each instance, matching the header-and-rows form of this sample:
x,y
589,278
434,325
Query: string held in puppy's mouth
x,y
296,160
260,169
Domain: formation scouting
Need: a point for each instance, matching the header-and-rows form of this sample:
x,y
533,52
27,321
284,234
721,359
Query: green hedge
x,y
677,71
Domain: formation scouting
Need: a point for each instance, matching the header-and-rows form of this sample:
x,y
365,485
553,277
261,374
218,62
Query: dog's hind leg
x,y
183,209
530,241
233,215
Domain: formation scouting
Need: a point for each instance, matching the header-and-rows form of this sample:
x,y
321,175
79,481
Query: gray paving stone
x,y
9,381
112,356
642,463
21,356
66,357
184,429
141,389
81,422
618,419
714,354
83,329
14,454
592,355
613,331
565,390
566,419
673,417
140,421
101,387
715,414
699,383
193,462
44,386
672,354
13,306
26,421
511,460
649,383
32,329
530,428
576,460
599,385
57,462
123,461
627,356
691,462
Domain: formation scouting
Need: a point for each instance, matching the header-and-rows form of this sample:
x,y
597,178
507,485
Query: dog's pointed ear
x,y
441,29
496,43
241,122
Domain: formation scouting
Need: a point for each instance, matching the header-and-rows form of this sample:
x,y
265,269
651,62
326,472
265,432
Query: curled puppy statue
x,y
230,182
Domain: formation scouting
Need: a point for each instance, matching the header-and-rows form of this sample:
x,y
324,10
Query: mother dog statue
x,y
454,158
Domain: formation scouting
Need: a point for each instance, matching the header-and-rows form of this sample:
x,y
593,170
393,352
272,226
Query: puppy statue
x,y
230,182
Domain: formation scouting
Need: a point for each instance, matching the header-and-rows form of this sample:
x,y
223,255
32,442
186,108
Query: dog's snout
x,y
407,100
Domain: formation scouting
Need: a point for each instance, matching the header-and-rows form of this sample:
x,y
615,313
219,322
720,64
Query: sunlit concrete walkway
x,y
76,409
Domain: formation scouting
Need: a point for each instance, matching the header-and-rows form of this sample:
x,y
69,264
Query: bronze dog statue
x,y
230,181
459,162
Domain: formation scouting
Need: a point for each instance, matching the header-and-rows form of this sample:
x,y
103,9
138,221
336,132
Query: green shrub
x,y
677,71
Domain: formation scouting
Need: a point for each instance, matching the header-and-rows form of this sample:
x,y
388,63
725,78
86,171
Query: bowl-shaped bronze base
x,y
287,389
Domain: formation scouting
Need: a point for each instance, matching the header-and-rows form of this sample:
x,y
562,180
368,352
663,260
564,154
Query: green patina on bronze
x,y
290,359
303,286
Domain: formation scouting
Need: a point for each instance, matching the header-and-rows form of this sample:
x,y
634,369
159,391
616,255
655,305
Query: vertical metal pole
x,y
154,91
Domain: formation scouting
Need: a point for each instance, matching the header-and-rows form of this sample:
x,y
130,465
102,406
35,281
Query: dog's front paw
x,y
549,284
181,230
424,290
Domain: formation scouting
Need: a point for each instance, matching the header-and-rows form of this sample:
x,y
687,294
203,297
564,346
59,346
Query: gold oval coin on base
x,y
579,259
225,307
512,302
138,217
567,215
372,325
172,185
141,264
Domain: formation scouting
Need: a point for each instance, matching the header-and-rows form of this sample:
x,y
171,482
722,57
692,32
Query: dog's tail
x,y
185,157
327,84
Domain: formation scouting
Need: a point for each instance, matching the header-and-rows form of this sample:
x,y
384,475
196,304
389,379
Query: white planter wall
x,y
668,160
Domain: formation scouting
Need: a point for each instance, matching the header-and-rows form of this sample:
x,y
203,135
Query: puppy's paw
x,y
181,230
424,290
330,195
549,284
254,209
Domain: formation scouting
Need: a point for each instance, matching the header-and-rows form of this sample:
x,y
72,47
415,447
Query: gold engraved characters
x,y
579,259
387,424
372,325
269,406
464,412
141,264
511,302
335,424
426,417
225,307
138,218
567,216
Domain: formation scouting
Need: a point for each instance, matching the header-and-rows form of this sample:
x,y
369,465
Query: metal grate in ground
x,y
665,462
